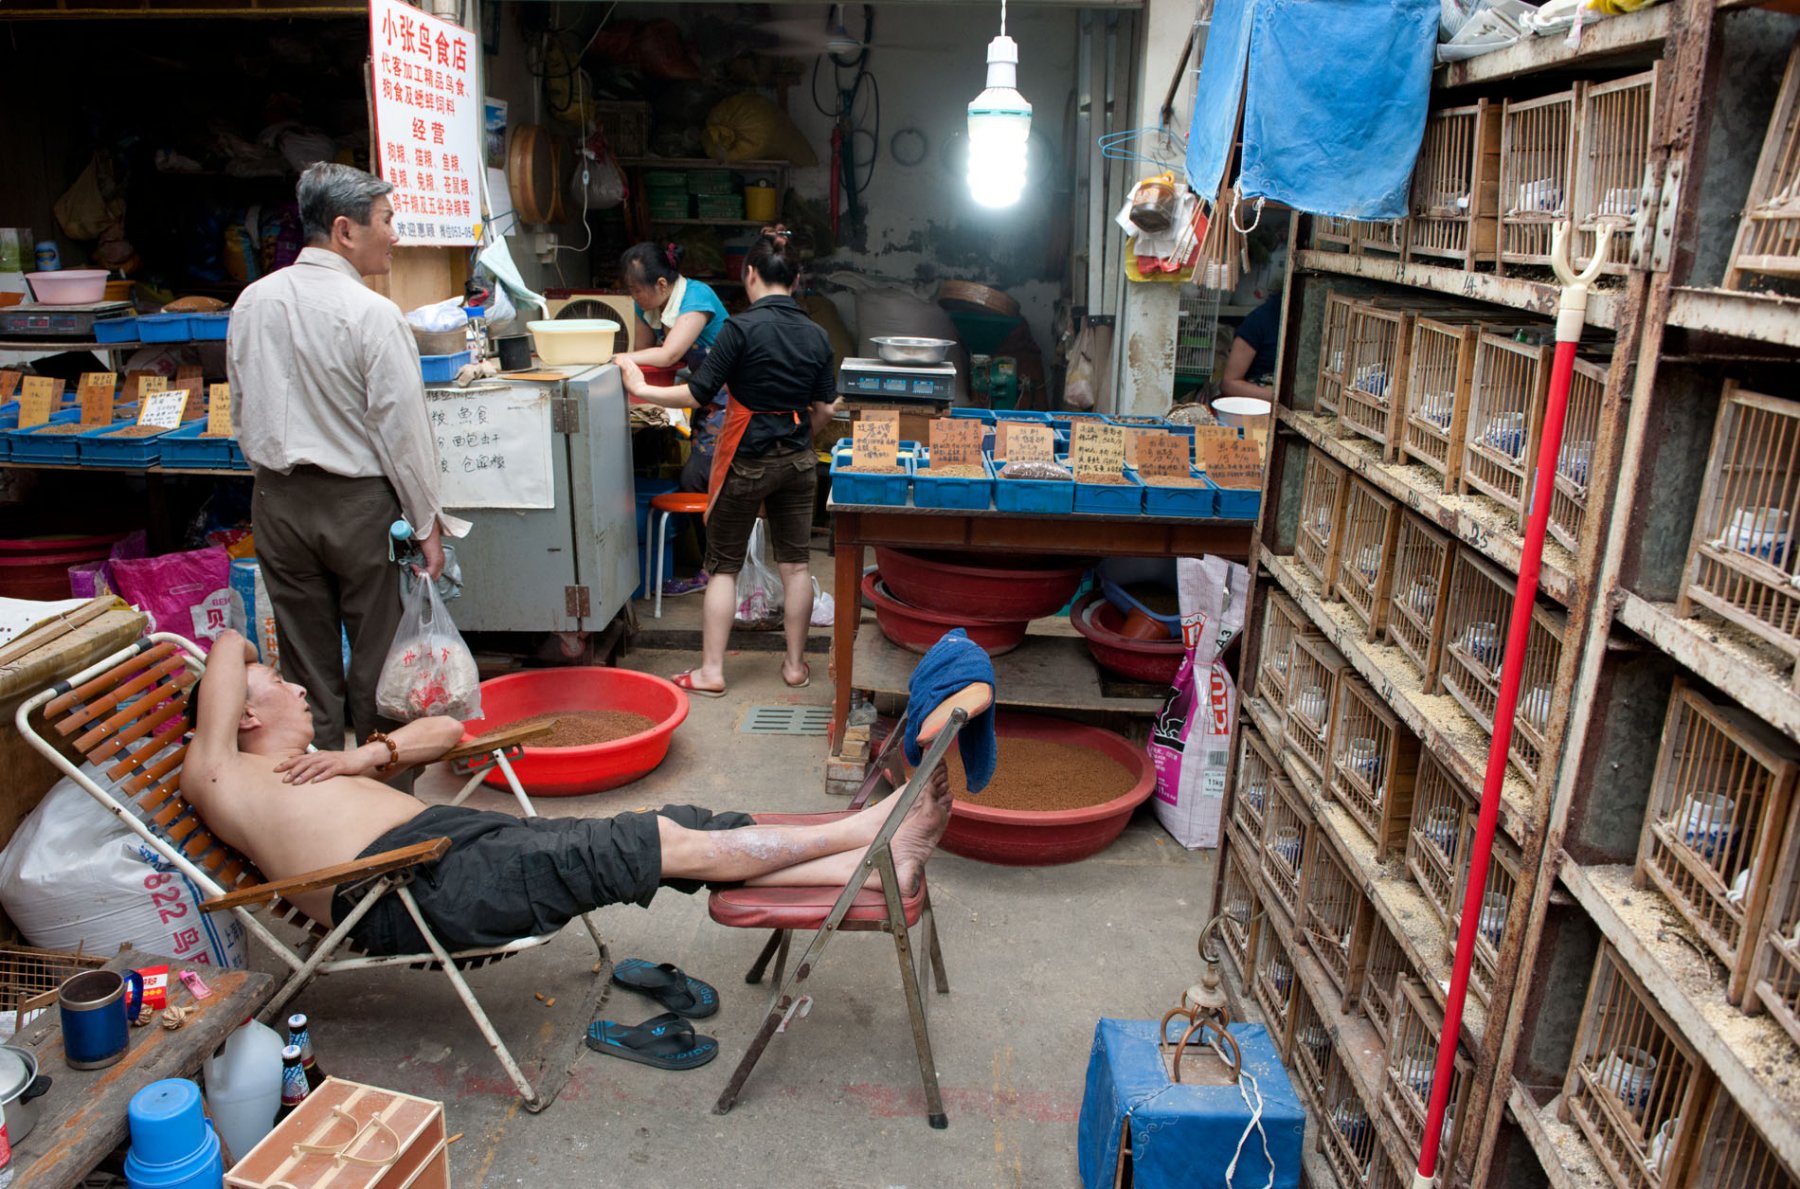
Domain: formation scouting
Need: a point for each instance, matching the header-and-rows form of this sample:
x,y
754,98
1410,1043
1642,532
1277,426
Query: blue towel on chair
x,y
954,661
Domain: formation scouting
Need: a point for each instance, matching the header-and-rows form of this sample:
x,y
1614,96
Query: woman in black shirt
x,y
776,362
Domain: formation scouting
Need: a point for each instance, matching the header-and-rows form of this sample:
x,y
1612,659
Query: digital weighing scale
x,y
36,320
932,382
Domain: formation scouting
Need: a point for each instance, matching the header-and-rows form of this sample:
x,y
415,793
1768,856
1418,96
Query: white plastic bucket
x,y
1244,412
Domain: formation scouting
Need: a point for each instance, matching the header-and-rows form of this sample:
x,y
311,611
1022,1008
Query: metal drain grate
x,y
786,720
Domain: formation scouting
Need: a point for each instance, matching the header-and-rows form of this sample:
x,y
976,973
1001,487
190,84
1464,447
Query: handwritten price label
x,y
1098,449
9,383
218,410
1162,454
875,442
163,409
1234,465
1028,443
956,441
38,400
1210,433
96,396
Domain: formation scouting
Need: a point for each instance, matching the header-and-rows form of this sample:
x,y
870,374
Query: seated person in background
x,y
1250,368
249,776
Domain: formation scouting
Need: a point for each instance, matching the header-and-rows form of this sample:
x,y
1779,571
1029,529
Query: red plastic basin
x,y
1022,588
38,567
1028,838
916,630
572,771
1152,661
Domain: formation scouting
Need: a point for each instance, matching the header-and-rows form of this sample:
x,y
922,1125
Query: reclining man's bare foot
x,y
920,833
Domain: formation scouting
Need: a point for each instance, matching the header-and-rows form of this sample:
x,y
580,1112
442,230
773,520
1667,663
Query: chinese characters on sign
x,y
427,123
493,446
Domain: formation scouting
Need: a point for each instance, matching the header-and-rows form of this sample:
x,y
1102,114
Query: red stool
x,y
670,503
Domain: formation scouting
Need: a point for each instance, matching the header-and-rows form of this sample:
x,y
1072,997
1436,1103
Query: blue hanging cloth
x,y
1217,92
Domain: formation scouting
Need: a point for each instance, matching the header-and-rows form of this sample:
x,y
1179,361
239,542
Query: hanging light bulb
x,y
999,127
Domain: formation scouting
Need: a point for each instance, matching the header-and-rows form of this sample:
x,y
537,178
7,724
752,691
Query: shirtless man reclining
x,y
250,777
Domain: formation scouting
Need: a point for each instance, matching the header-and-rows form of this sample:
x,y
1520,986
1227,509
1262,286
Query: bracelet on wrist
x,y
393,751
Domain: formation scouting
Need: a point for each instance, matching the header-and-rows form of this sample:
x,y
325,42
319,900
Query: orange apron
x,y
737,420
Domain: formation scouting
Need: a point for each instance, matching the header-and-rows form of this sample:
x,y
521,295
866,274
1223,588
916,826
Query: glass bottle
x,y
293,1082
300,1036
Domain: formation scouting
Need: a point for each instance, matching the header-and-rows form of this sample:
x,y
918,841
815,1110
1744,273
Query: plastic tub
x,y
1245,412
1117,573
951,491
574,341
851,487
116,330
1159,500
165,328
101,447
974,414
1022,587
69,286
1110,499
210,327
173,1146
185,447
916,629
38,567
1154,662
441,369
28,445
1042,838
573,771
1239,503
1047,496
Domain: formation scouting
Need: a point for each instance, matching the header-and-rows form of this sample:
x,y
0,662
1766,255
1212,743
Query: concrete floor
x,y
1034,957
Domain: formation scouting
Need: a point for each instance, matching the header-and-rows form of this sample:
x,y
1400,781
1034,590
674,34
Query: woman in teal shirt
x,y
678,320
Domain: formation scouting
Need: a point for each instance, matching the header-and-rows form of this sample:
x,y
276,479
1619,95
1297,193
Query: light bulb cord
x,y
1003,18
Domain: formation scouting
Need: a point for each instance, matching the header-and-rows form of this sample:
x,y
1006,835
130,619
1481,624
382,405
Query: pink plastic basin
x,y
68,287
1043,838
1153,661
1017,588
572,771
916,629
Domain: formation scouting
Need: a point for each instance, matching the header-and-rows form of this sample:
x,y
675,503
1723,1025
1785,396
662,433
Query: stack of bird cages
x,y
1575,459
1325,485
1381,238
1713,830
1434,839
1506,413
1437,396
1329,230
1348,1135
1312,699
1504,864
1537,174
1634,1087
1378,984
1411,1062
1474,648
1455,186
1731,1154
1374,765
1776,988
1329,902
1238,907
1378,352
1334,351
1272,982
1611,158
1256,775
1417,602
1196,336
1282,621
1768,238
1286,826
1366,556
1742,564
1310,1053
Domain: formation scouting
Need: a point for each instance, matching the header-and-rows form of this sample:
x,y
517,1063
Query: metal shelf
x,y
1752,679
1533,297
1563,1150
1632,33
1475,521
1759,317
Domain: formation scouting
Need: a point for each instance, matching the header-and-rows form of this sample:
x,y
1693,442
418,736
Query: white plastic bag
x,y
824,607
759,585
440,316
75,877
429,670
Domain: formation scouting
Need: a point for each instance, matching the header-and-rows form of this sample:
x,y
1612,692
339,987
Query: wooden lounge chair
x,y
123,721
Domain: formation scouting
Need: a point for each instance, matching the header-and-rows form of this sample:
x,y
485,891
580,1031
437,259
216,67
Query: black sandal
x,y
675,990
663,1042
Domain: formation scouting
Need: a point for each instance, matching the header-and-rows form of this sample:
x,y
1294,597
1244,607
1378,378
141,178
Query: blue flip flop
x,y
662,1042
668,985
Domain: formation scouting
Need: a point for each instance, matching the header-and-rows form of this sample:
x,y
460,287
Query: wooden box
x,y
1506,418
1325,486
1731,1154
1417,596
388,1141
1311,703
1309,1051
1347,1131
1436,407
1329,904
1434,841
1612,153
1504,864
1374,764
1456,185
1334,232
1538,140
1411,1062
1768,238
1380,238
1576,457
1287,828
1366,556
1378,350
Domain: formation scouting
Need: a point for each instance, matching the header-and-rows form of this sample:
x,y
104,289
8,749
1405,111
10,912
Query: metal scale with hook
x,y
1208,1014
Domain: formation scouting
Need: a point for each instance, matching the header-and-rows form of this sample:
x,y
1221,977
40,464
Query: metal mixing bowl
x,y
910,350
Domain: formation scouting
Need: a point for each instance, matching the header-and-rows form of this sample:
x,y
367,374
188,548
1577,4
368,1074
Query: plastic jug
x,y
243,1086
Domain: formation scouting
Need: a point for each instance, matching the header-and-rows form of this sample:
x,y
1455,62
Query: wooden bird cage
x,y
1411,1062
1312,700
1435,834
1282,621
1377,350
1273,984
1286,828
1437,396
1731,1153
1325,485
1742,563
1504,864
1310,1051
1537,174
1612,155
1776,984
1634,1087
1257,773
1416,602
1383,1174
1381,237
1334,352
1348,1133
1366,556
1576,457
1329,903
1713,830
1456,185
1382,967
1328,230
1374,765
1768,238
1506,414
1475,629
1238,905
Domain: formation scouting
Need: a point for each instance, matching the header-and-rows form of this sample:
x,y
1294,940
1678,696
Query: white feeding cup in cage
x,y
1629,1072
1422,596
1535,706
1287,846
1705,823
1351,1120
1573,460
1311,704
1440,829
1368,562
1761,532
1481,641
1372,378
1437,408
1662,1143
1505,432
1492,923
1365,760
1539,194
1255,792
1620,202
1416,1068
1281,976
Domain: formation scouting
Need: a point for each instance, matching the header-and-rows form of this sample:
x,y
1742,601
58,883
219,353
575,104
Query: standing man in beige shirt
x,y
332,418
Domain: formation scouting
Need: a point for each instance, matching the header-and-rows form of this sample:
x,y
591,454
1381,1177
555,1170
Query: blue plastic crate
x,y
848,487
116,330
1054,497
164,328
974,414
1239,504
949,491
1135,422
185,447
28,445
1111,499
99,448
210,327
1202,501
441,369
1032,415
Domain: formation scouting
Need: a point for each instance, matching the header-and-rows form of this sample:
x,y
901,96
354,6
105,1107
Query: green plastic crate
x,y
668,206
665,179
711,181
719,206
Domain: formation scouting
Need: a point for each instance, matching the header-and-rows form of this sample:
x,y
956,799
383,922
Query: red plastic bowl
x,y
38,567
572,771
1152,661
916,629
1027,838
1022,588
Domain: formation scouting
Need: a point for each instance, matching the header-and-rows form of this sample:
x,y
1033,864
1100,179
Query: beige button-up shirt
x,y
324,371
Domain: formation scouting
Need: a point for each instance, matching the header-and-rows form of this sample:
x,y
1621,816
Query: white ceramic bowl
x,y
1244,412
574,341
68,287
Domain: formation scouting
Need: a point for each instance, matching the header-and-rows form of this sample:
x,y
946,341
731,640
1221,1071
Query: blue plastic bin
x,y
210,327
1055,497
100,447
116,330
1110,499
185,447
1033,415
1239,504
849,487
950,491
28,445
441,369
165,328
986,415
1202,501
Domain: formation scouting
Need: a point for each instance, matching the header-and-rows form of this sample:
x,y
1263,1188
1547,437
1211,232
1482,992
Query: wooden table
x,y
859,526
82,1117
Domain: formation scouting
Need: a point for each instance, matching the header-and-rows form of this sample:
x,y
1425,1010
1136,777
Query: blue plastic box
x,y
1055,497
116,330
941,491
185,447
1202,501
441,369
1239,504
1110,499
98,448
164,328
210,327
849,487
986,415
1117,573
1033,415
28,445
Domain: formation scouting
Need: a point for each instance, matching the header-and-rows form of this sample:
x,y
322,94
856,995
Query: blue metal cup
x,y
96,1011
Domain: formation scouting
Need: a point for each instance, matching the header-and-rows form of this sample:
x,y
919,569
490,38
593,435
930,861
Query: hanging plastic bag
x,y
598,183
759,585
1078,384
824,607
429,670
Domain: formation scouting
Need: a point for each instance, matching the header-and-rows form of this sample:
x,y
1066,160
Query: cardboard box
x,y
350,1136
